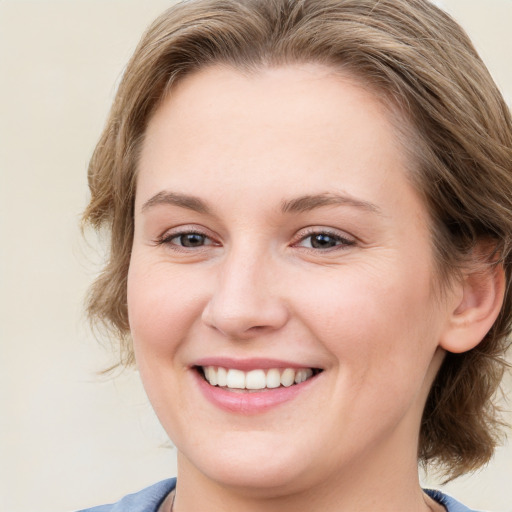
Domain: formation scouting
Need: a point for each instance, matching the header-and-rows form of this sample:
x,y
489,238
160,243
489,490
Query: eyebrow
x,y
176,199
297,205
310,202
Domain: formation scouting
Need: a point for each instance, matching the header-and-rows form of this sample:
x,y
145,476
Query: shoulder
x,y
451,504
147,500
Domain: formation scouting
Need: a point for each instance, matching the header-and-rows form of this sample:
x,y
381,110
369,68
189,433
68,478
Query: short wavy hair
x,y
456,126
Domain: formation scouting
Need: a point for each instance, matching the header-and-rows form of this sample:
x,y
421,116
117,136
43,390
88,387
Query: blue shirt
x,y
150,499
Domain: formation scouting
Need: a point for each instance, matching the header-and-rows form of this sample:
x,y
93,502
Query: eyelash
x,y
341,242
167,238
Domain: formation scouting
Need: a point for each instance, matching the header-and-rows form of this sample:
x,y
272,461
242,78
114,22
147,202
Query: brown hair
x,y
420,60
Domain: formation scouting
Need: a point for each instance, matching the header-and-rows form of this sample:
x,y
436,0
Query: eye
x,y
186,240
324,240
190,240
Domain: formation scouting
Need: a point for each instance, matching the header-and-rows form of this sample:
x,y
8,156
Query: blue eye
x,y
323,240
186,239
190,240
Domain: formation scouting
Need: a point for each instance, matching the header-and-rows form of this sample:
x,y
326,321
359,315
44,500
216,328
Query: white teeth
x,y
213,376
288,377
210,374
235,379
300,376
273,378
255,379
222,376
303,375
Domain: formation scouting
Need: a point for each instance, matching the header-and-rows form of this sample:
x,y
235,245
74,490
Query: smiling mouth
x,y
255,380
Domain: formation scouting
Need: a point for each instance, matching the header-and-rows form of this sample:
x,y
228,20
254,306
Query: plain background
x,y
68,437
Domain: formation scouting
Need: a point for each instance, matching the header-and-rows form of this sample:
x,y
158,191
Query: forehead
x,y
301,95
290,130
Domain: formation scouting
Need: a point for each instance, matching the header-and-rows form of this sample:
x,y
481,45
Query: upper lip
x,y
249,364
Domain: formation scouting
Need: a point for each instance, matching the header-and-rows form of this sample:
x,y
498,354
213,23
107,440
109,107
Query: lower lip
x,y
253,402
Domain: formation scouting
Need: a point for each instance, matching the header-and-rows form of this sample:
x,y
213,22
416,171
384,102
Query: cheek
x,y
377,326
162,306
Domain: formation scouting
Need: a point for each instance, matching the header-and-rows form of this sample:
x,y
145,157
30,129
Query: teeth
x,y
213,376
222,377
255,379
288,377
303,375
273,378
235,379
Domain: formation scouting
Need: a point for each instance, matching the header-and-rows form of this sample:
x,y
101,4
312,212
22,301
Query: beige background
x,y
68,438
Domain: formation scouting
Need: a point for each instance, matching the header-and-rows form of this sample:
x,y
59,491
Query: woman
x,y
310,207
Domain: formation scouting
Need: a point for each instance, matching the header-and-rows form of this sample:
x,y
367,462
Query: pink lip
x,y
249,403
247,364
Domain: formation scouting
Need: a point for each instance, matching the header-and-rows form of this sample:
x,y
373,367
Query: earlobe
x,y
477,306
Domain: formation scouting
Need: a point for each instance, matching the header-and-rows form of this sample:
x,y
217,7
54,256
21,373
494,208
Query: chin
x,y
254,466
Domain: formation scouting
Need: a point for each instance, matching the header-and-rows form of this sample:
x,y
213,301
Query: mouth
x,y
240,381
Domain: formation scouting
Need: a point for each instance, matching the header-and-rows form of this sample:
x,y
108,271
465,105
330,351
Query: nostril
x,y
258,328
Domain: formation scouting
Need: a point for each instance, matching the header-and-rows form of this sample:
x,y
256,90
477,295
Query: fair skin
x,y
275,227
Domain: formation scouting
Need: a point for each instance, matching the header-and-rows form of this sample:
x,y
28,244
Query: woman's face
x,y
278,237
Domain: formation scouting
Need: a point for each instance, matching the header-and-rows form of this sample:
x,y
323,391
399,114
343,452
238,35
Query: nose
x,y
245,302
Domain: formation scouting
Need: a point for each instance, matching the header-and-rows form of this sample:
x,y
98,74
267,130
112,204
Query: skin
x,y
363,310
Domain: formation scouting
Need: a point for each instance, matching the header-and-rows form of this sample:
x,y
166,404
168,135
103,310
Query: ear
x,y
478,298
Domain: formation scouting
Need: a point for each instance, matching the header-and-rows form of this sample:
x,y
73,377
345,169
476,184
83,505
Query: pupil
x,y
192,240
323,241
